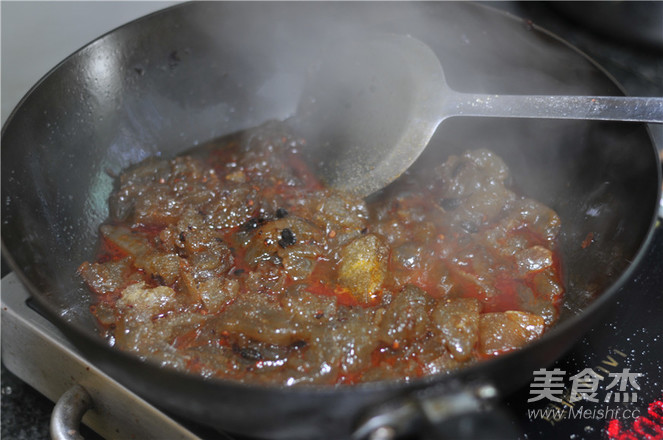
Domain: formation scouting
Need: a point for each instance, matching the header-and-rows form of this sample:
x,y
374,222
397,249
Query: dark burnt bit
x,y
281,213
158,279
238,272
364,231
298,345
450,204
287,238
278,261
250,354
251,224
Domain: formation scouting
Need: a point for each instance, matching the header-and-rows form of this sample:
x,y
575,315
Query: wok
x,y
197,71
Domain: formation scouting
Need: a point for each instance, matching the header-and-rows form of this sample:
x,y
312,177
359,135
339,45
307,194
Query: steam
x,y
482,52
280,44
261,54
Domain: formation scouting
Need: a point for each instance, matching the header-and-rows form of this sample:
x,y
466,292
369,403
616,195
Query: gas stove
x,y
618,365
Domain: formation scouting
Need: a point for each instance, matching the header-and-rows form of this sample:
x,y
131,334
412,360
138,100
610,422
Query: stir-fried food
x,y
236,262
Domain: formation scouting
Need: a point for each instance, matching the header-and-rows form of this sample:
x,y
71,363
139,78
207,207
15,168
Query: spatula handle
x,y
604,108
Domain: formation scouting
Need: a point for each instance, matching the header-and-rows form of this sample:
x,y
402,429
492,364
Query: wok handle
x,y
68,413
443,412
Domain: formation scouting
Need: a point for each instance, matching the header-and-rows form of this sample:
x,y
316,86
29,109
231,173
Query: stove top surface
x,y
624,352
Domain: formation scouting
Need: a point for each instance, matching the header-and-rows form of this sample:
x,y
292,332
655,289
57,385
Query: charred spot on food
x,y
182,237
252,223
159,279
450,204
364,231
238,272
298,345
248,353
281,213
287,238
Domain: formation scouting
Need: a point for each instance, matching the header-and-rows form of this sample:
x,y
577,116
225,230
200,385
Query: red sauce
x,y
283,247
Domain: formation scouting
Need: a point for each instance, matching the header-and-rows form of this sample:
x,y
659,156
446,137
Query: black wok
x,y
197,71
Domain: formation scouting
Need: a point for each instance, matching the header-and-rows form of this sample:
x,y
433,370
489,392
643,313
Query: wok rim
x,y
77,334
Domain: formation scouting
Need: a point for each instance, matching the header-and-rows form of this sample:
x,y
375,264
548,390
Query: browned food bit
x,y
363,266
406,317
503,332
347,343
216,293
342,216
458,322
150,300
105,278
165,268
291,242
261,319
533,259
308,308
547,285
536,304
133,243
535,216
